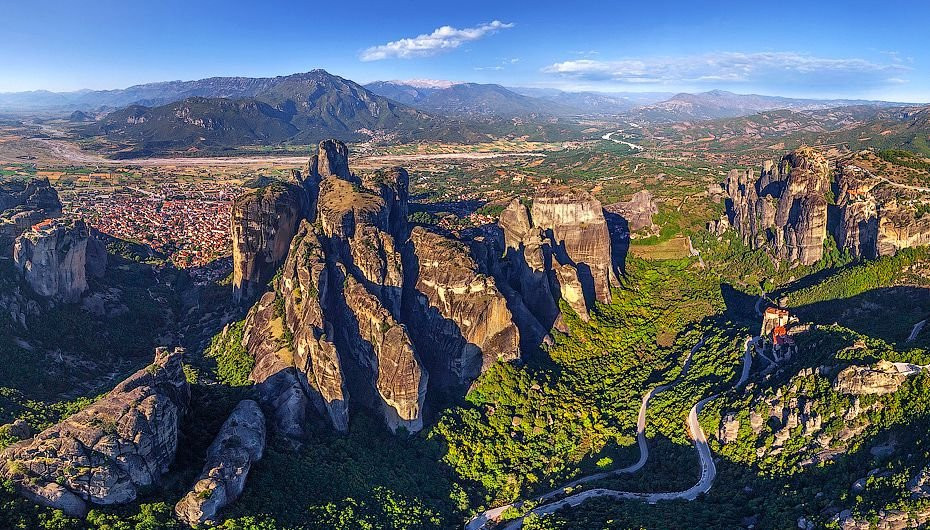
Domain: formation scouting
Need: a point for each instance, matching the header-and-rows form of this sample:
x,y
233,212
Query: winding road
x,y
708,469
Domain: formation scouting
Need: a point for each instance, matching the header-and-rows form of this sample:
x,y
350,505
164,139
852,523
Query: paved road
x,y
703,485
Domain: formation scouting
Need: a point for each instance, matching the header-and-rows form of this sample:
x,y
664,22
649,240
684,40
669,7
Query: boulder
x,y
106,453
239,444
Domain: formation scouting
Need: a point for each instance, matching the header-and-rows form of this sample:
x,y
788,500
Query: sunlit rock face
x,y
263,223
785,208
112,449
459,315
559,248
876,218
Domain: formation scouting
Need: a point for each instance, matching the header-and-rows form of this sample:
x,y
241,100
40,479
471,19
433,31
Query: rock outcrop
x,y
104,454
239,444
559,249
882,378
368,313
876,218
460,315
638,211
305,288
52,256
784,209
263,223
22,205
382,347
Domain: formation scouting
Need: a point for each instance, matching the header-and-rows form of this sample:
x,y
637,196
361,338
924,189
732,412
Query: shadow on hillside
x,y
887,313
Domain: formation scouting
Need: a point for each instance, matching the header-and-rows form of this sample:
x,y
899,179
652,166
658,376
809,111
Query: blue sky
x,y
812,48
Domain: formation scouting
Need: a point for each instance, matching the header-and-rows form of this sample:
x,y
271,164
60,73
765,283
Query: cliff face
x,y
367,312
22,205
461,317
876,218
53,259
263,223
305,288
386,354
104,454
558,249
784,209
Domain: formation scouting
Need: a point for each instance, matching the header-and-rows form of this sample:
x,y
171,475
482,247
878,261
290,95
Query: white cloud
x,y
480,68
441,39
775,68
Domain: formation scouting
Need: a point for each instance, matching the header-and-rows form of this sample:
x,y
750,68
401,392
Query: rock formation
x,y
305,288
239,444
386,354
340,291
22,205
882,378
263,223
783,209
560,248
461,317
638,211
366,312
53,259
876,218
104,454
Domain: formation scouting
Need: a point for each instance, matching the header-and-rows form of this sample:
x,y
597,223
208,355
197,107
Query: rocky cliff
x,y
239,444
22,205
340,291
461,317
55,257
107,452
263,223
876,218
558,249
369,313
638,211
784,208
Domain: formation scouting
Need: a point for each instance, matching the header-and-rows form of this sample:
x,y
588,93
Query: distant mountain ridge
x,y
716,104
466,99
302,108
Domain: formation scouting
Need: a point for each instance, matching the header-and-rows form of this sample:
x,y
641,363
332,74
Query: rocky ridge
x,y
786,209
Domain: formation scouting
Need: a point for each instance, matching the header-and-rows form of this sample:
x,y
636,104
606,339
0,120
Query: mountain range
x,y
219,113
